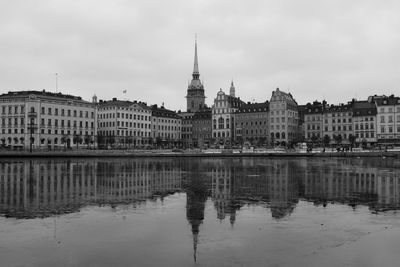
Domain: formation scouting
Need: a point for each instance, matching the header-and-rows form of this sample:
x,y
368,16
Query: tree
x,y
338,139
87,139
64,140
326,140
314,139
158,141
352,140
77,139
364,143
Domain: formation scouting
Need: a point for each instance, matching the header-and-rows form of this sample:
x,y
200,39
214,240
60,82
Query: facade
x,y
195,98
44,120
123,124
166,127
223,112
252,124
284,118
202,128
338,124
187,129
388,120
364,123
313,121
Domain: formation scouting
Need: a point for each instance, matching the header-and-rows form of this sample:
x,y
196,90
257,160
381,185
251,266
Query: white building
x,y
223,112
41,119
124,123
388,120
284,117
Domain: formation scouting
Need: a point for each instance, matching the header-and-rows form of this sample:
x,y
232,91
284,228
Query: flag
x,y
124,91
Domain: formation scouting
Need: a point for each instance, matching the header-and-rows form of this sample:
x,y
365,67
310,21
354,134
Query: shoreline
x,y
169,153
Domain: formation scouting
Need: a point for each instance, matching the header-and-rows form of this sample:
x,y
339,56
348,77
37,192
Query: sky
x,y
314,49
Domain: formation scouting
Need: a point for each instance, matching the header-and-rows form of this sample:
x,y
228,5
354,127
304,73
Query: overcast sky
x,y
315,49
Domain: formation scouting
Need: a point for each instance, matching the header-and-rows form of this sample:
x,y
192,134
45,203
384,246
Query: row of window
x,y
17,109
123,116
74,112
389,129
390,119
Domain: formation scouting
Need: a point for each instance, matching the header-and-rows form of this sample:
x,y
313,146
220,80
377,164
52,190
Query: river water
x,y
200,212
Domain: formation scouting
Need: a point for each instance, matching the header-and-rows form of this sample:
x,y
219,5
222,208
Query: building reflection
x,y
40,188
30,189
353,184
197,192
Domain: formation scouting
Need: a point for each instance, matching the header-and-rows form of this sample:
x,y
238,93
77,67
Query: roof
x,y
363,108
254,107
122,103
163,112
387,101
314,108
338,108
40,93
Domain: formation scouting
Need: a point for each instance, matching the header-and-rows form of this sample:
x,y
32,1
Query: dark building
x,y
252,124
364,122
165,127
201,128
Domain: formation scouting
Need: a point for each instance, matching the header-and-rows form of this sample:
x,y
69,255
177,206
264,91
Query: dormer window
x,y
384,102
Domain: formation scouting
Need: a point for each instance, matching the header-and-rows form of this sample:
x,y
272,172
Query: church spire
x,y
232,89
196,73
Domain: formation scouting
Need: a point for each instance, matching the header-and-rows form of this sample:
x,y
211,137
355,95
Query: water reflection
x,y
40,188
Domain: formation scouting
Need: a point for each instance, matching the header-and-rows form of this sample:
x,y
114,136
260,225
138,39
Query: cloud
x,y
315,49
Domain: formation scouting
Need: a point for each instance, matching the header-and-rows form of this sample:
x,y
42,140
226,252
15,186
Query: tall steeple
x,y
195,98
196,72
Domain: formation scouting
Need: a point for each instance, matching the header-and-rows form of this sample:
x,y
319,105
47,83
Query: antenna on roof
x,y
56,74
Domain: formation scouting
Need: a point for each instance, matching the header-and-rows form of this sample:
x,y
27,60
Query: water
x,y
200,212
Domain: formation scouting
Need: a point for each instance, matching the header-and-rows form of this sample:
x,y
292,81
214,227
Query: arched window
x,y
214,124
227,123
277,135
192,103
283,135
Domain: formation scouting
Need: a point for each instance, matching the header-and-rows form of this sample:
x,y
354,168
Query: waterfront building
x,y
313,121
166,127
201,128
123,124
388,120
338,124
223,112
40,119
252,124
284,118
364,122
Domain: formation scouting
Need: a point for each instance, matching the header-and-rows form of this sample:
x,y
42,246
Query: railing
x,y
32,114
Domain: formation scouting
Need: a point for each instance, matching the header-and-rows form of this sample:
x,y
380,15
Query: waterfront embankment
x,y
190,153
